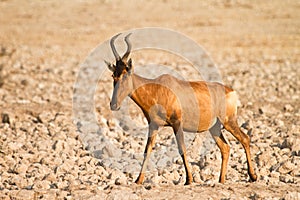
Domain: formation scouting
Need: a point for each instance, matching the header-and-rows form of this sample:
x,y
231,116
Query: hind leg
x,y
223,146
231,125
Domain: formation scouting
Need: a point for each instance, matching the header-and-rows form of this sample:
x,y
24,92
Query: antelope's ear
x,y
129,65
110,66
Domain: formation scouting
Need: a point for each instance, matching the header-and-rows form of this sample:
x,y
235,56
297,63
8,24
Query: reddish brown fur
x,y
185,106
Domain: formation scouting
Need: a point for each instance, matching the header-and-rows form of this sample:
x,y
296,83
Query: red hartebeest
x,y
167,101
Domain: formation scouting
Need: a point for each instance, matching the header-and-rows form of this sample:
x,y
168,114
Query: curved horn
x,y
113,48
128,47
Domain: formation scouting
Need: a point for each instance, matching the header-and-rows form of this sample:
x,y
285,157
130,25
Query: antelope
x,y
167,101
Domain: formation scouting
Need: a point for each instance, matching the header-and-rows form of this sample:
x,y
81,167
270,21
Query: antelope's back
x,y
196,104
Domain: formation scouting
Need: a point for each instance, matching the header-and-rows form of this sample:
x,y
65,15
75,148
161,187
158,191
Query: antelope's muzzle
x,y
114,106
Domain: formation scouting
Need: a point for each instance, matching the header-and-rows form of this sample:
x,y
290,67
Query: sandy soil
x,y
255,45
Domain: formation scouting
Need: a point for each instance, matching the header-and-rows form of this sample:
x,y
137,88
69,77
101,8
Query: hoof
x,y
188,182
253,178
138,182
140,179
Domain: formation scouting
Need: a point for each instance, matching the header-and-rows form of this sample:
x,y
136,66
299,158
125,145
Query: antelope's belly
x,y
198,121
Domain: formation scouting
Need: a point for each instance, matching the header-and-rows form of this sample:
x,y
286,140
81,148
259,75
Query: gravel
x,y
47,153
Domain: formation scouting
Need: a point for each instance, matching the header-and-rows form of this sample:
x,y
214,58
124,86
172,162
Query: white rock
x,y
44,184
292,195
20,182
112,151
286,167
286,178
21,168
24,195
121,180
46,117
296,146
288,108
197,177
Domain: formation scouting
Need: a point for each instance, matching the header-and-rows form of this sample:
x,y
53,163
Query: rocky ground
x,y
45,152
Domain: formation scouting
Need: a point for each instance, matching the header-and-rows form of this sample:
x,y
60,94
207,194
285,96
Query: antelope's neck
x,y
139,94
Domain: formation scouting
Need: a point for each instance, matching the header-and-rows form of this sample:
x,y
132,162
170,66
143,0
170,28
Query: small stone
x,y
83,161
112,151
15,145
197,178
5,118
296,172
57,161
287,143
74,184
275,175
122,194
162,162
254,196
21,168
288,108
65,167
296,146
51,177
47,195
83,194
44,184
167,175
45,117
286,167
292,195
264,172
115,174
134,145
100,171
247,125
279,122
23,195
112,123
178,161
62,184
132,167
121,180
58,145
63,194
19,181
286,178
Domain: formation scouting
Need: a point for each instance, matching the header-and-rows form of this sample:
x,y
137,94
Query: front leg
x,y
178,131
150,142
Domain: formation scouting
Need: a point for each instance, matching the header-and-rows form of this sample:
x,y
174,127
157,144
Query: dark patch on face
x,y
120,66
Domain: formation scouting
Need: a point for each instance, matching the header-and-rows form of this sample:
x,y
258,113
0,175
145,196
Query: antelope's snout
x,y
114,106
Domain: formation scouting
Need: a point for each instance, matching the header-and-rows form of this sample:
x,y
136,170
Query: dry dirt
x,y
255,44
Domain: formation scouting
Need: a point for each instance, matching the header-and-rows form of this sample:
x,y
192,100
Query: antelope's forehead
x,y
120,68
